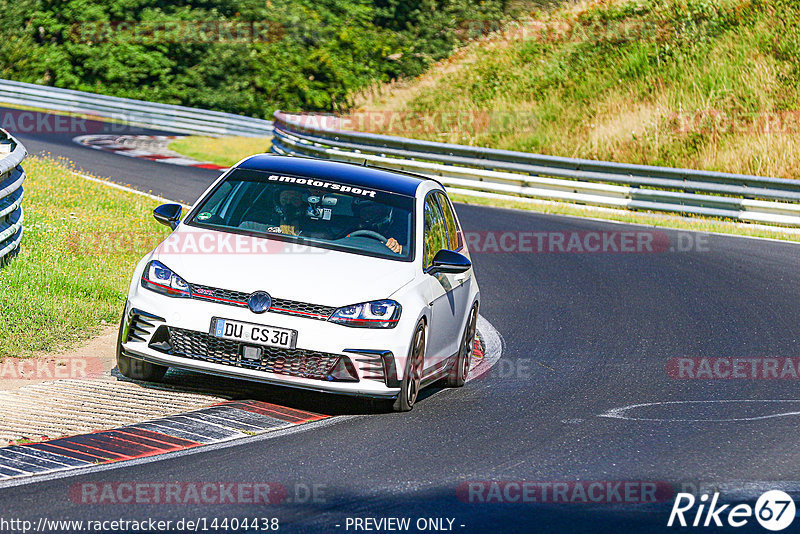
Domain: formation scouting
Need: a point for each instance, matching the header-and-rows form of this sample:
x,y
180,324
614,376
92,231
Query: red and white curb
x,y
210,426
214,424
488,349
149,147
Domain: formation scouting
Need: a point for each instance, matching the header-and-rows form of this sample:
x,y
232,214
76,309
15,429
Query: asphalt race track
x,y
175,183
587,335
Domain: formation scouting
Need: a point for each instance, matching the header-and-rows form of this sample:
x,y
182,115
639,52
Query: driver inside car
x,y
290,207
371,216
377,218
296,209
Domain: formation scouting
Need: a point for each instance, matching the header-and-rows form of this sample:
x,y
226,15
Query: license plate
x,y
257,334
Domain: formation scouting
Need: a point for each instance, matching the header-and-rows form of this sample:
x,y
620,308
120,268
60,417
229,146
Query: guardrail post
x,y
11,193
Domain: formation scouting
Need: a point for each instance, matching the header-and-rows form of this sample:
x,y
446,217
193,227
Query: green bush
x,y
316,55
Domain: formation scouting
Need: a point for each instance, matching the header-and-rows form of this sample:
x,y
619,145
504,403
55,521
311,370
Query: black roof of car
x,y
356,175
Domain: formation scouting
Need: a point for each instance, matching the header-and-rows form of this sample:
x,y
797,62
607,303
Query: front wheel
x,y
413,375
457,376
137,369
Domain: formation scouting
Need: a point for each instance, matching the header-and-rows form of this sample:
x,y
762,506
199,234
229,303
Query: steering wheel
x,y
369,233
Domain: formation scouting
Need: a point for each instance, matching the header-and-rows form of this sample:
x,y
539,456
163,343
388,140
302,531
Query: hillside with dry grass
x,y
708,84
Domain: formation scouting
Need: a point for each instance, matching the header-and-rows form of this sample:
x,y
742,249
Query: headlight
x,y
375,314
160,278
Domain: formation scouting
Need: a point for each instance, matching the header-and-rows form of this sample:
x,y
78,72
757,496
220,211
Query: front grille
x,y
292,362
224,296
292,307
283,306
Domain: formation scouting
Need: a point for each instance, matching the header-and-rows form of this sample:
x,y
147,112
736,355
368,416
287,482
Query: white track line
x,y
621,413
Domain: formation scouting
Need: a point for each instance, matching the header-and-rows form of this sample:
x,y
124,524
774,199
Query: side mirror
x,y
447,261
168,214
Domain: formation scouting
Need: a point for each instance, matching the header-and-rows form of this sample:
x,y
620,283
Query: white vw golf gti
x,y
311,274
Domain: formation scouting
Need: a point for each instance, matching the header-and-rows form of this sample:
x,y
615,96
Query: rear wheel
x,y
413,375
457,376
137,369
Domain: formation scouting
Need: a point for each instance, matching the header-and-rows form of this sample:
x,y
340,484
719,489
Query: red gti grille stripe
x,y
200,295
298,312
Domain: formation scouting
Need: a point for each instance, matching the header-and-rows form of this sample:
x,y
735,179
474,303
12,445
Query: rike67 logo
x,y
774,510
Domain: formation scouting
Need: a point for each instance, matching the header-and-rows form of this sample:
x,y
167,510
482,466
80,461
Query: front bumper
x,y
376,355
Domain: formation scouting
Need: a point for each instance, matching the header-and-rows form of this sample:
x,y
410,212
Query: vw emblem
x,y
259,302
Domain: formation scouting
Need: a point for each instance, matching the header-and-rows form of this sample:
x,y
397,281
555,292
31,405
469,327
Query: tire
x,y
137,369
409,390
457,376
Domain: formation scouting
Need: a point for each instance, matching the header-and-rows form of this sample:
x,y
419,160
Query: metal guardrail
x,y
167,117
11,177
505,174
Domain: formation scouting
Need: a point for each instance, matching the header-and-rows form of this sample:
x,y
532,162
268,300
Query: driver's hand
x,y
394,246
288,229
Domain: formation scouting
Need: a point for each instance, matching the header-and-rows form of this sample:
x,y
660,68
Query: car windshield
x,y
315,212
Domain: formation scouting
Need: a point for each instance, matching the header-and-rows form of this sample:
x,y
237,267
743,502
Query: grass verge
x,y
81,243
701,84
220,150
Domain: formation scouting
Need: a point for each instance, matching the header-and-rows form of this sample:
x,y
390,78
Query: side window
x,y
435,234
450,222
